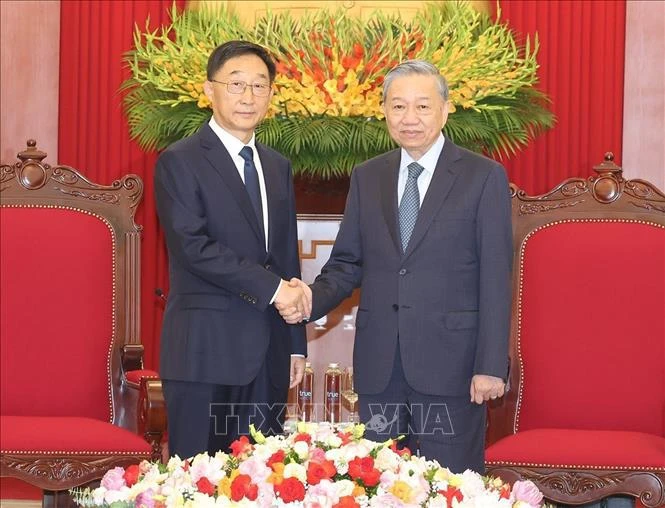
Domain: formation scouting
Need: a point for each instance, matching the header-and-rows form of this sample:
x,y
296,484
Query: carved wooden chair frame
x,y
606,196
33,183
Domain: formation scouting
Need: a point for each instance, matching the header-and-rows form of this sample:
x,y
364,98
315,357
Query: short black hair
x,y
232,49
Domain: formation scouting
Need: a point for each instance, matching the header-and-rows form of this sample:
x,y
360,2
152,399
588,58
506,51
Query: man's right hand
x,y
294,301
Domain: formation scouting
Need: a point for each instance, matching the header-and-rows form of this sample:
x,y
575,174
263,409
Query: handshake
x,y
294,301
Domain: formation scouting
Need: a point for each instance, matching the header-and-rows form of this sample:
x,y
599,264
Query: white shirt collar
x,y
428,160
232,144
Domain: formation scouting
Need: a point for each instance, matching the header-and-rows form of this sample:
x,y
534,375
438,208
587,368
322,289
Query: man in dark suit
x,y
427,236
226,204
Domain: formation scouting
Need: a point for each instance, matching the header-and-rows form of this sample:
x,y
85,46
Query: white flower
x,y
113,496
302,449
211,468
333,441
296,471
203,501
472,484
98,495
336,455
387,460
344,487
353,450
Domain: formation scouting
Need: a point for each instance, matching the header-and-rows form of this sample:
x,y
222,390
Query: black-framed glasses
x,y
238,87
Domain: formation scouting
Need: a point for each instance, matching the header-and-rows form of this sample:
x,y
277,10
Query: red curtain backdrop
x,y
93,135
581,68
581,62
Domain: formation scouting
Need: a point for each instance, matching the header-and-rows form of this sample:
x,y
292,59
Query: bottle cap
x,y
333,365
308,364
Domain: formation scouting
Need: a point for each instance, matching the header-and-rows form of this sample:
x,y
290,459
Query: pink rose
x,y
526,491
114,479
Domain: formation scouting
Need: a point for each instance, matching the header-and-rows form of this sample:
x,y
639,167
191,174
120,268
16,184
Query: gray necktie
x,y
410,204
252,184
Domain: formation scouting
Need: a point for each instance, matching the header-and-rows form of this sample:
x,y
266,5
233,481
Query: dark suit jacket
x,y
448,296
218,325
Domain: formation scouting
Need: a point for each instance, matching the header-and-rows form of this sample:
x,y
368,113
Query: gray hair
x,y
411,67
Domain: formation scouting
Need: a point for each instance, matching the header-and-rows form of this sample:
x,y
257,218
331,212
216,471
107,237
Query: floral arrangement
x,y
326,112
318,466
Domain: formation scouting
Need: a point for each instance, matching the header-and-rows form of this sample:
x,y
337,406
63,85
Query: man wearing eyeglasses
x,y
226,204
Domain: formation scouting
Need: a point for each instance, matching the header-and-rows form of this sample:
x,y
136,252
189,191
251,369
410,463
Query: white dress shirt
x,y
427,161
233,145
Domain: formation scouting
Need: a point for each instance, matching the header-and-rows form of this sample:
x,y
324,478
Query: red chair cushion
x,y
584,449
134,376
56,319
68,436
587,365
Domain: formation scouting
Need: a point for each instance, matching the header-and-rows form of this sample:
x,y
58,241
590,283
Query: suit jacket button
x,y
395,307
403,271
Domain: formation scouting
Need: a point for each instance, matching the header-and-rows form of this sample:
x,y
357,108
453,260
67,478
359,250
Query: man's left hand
x,y
484,388
297,370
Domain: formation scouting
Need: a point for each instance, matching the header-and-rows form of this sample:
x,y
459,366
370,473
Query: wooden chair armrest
x,y
152,414
132,357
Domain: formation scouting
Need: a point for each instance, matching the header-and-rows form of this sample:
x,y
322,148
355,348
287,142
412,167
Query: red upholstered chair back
x,y
70,290
57,269
591,326
588,327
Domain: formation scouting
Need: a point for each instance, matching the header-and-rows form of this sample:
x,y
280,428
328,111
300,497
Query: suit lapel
x,y
442,181
388,175
220,159
272,180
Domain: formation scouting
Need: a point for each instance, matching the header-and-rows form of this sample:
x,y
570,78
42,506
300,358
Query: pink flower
x,y
527,492
256,469
145,499
317,455
114,479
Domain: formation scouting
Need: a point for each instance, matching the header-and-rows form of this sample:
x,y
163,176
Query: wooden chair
x,y
585,416
71,358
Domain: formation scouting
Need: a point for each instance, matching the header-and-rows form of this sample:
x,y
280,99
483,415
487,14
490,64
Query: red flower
x,y
205,486
291,489
242,486
276,458
363,469
303,436
131,475
345,437
504,492
241,446
317,471
358,50
349,62
452,493
347,502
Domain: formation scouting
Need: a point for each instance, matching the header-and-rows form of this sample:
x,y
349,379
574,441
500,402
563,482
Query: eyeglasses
x,y
238,87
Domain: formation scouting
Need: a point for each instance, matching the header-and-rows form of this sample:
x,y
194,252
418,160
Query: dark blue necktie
x,y
252,184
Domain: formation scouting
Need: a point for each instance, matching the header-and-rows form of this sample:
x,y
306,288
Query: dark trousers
x,y
207,417
450,430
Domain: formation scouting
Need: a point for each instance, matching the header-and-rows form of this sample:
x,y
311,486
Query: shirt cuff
x,y
277,291
297,355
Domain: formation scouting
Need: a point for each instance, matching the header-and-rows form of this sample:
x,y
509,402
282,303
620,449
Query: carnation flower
x,y
114,479
527,492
